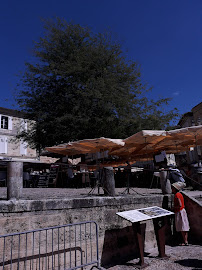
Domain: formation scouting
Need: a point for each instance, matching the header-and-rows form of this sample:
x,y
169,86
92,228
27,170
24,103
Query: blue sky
x,y
163,36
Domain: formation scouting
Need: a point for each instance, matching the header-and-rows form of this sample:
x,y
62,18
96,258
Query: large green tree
x,y
81,86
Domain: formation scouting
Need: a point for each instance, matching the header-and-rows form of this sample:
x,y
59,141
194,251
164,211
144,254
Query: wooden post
x,y
15,180
139,229
159,228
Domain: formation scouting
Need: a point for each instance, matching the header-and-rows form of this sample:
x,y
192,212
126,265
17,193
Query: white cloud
x,y
177,93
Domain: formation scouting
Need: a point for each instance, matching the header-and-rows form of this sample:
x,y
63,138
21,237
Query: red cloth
x,y
177,207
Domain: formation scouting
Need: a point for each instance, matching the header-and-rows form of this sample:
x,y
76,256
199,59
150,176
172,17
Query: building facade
x,y
12,122
193,118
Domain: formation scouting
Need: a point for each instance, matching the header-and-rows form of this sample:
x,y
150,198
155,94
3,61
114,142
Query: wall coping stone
x,y
12,206
192,198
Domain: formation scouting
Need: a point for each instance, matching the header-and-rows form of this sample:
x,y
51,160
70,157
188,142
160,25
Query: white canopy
x,y
145,143
86,146
140,146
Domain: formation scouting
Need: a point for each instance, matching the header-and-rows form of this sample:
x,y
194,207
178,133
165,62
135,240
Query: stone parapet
x,y
119,202
194,213
115,234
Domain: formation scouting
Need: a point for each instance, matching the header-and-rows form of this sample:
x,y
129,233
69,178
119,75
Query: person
x,y
181,220
128,175
70,177
175,176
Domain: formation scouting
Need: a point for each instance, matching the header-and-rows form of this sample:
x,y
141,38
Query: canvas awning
x,y
140,146
140,143
86,146
146,143
179,140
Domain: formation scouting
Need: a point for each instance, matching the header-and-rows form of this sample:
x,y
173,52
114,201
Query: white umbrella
x,y
86,146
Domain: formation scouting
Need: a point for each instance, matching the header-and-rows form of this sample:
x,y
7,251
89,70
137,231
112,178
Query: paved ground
x,y
180,257
59,193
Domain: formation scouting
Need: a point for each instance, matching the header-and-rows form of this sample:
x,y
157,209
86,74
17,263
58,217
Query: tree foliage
x,y
82,86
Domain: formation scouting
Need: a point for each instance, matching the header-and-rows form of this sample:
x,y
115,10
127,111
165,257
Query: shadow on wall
x,y
120,246
194,212
169,229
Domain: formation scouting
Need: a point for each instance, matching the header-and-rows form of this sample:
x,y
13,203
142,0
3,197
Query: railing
x,y
66,247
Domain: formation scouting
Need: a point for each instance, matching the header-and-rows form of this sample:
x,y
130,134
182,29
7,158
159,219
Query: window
x,y
4,122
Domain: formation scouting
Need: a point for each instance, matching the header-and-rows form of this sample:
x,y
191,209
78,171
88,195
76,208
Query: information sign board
x,y
144,214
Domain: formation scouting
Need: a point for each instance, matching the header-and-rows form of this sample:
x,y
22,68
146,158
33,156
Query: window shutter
x,y
23,148
10,123
25,125
6,145
3,145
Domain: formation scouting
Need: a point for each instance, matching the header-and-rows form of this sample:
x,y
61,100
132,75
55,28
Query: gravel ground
x,y
180,257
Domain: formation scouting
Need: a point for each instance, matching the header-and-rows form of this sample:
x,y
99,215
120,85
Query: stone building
x,y
193,118
11,123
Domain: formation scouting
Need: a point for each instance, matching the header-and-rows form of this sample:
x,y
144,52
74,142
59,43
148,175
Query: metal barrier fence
x,y
70,246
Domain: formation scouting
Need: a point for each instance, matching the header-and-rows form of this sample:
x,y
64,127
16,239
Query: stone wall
x,y
197,113
194,212
116,239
